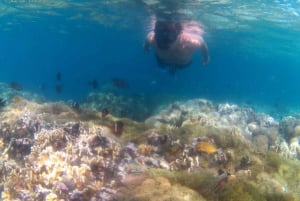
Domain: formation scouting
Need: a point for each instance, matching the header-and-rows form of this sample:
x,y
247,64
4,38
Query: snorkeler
x,y
175,42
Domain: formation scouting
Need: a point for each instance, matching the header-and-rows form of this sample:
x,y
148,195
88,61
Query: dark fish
x,y
118,127
58,76
120,83
16,86
58,88
94,84
2,102
104,112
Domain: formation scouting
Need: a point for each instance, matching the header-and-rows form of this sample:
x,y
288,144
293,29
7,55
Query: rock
x,y
287,126
297,131
252,126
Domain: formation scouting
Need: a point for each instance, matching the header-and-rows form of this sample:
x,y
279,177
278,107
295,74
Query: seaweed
x,y
273,162
240,190
280,197
202,182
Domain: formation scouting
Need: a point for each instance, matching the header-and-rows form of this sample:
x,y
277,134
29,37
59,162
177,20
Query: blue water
x,y
253,47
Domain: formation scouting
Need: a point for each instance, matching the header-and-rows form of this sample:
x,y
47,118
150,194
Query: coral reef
x,y
189,151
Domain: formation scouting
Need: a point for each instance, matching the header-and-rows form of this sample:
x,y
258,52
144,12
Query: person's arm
x,y
204,51
149,41
196,43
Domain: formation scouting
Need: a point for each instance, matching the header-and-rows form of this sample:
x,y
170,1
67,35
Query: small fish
x,y
58,88
94,84
16,86
206,147
58,76
120,83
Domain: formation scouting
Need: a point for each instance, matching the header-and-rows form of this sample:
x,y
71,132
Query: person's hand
x,y
205,55
205,60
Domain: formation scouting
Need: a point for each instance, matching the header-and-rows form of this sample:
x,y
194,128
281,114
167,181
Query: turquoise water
x,y
253,46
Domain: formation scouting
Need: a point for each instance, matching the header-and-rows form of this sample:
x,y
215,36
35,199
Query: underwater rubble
x,y
192,150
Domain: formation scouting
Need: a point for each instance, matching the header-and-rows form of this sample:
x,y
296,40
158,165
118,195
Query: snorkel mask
x,y
166,32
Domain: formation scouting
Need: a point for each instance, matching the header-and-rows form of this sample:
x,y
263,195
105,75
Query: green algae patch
x,y
188,132
159,188
202,182
281,197
262,188
240,189
275,162
133,131
284,170
223,137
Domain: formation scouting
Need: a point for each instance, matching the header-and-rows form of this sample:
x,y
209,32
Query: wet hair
x,y
166,32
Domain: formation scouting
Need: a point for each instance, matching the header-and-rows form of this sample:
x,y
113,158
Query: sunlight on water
x,y
216,15
222,14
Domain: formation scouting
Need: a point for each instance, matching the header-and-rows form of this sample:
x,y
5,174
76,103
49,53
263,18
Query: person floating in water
x,y
175,42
